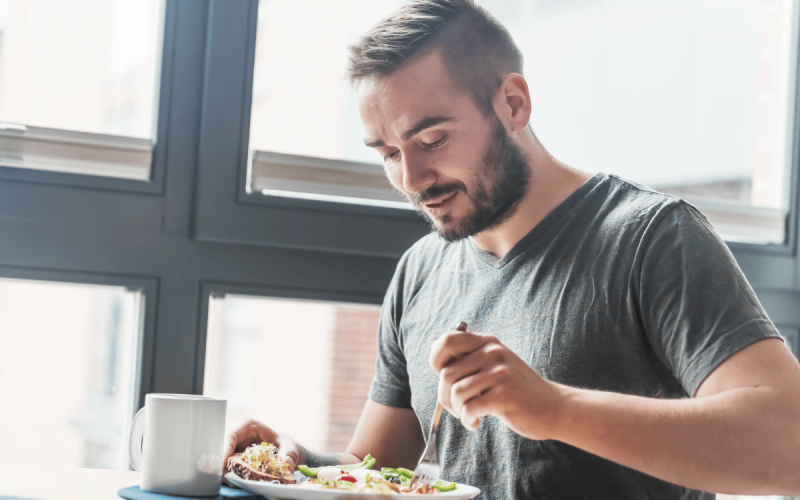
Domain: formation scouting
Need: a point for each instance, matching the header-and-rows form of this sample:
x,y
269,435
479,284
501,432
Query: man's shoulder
x,y
642,218
632,195
625,203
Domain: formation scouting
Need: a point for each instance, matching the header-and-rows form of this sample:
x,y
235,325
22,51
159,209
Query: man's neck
x,y
551,183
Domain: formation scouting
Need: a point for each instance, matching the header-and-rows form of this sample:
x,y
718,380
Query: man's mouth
x,y
440,204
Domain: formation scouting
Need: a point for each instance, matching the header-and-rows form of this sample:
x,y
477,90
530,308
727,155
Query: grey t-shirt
x,y
619,288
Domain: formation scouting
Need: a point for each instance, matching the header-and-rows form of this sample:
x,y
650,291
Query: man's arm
x,y
391,435
740,433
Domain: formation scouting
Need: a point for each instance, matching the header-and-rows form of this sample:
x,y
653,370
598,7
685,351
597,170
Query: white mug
x,y
181,453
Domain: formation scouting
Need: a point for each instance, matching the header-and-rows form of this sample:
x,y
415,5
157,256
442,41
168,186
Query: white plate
x,y
299,492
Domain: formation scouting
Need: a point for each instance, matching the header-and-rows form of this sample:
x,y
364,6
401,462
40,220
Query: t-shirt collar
x,y
541,228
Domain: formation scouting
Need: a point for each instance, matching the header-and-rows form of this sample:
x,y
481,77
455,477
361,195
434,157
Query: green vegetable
x,y
367,463
444,486
405,475
307,471
405,472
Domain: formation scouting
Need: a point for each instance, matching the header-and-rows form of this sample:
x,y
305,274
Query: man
x,y
624,353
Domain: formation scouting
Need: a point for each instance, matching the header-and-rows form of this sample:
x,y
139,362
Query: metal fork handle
x,y
431,456
430,450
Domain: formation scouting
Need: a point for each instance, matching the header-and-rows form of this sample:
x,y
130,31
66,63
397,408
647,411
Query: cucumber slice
x,y
307,471
444,486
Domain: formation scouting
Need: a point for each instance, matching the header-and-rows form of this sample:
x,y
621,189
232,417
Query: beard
x,y
498,186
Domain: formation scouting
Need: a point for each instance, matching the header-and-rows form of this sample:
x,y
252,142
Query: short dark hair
x,y
476,49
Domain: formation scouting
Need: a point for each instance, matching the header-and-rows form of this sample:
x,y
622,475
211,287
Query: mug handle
x,y
135,440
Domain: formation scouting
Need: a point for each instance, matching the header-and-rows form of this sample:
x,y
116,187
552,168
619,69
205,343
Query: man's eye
x,y
391,156
434,145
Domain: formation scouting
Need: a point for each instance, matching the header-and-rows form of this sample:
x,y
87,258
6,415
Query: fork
x,y
428,469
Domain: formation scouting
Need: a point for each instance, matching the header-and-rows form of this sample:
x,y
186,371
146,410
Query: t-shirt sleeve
x,y
697,307
390,385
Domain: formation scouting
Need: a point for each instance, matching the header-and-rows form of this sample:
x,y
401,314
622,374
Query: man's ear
x,y
513,102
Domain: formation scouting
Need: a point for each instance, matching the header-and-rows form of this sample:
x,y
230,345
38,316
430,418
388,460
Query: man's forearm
x,y
313,459
741,441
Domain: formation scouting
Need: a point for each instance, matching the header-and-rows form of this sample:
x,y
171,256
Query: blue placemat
x,y
135,493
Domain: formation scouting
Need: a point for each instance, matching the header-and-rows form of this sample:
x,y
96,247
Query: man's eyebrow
x,y
416,129
423,124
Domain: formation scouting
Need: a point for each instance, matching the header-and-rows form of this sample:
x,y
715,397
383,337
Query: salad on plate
x,y
263,462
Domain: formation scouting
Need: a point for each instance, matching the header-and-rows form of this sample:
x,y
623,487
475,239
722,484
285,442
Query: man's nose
x,y
417,174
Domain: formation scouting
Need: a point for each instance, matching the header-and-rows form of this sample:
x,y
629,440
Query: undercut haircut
x,y
477,51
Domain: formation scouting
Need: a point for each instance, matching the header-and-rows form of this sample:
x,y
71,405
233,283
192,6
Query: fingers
x,y
248,432
454,345
480,406
467,382
253,432
475,386
243,434
228,449
478,362
458,369
290,450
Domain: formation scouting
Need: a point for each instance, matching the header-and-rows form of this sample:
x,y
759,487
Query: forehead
x,y
417,90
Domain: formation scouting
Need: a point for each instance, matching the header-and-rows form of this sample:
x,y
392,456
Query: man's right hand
x,y
246,432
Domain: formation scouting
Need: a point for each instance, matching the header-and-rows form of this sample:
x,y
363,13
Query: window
x,y
196,233
690,98
303,108
68,366
78,85
302,367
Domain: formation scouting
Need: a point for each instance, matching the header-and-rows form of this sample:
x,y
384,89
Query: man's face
x,y
458,168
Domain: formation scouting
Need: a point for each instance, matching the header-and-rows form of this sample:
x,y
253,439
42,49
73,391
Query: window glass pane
x,y
688,97
302,367
84,65
67,372
303,105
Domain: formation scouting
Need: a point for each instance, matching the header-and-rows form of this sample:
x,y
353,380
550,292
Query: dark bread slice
x,y
246,471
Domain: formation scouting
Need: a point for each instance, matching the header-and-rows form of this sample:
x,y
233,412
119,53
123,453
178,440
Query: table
x,y
97,484
65,484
